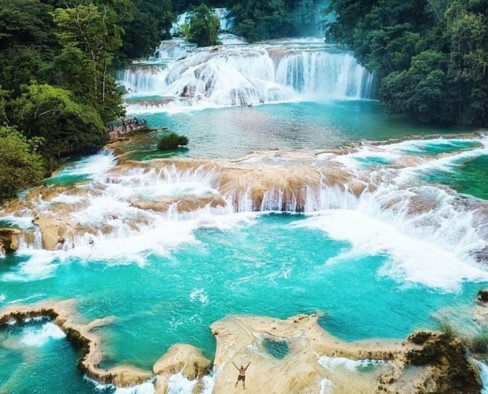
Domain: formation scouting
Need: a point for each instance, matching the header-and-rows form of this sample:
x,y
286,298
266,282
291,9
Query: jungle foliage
x,y
431,56
57,85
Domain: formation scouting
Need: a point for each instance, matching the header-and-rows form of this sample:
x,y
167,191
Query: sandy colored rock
x,y
312,360
56,231
240,339
183,358
9,239
308,359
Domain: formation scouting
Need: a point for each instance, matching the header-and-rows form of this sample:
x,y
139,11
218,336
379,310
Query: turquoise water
x,y
28,368
441,147
269,266
467,177
274,265
237,131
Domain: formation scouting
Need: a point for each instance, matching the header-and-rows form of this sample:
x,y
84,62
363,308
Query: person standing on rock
x,y
242,374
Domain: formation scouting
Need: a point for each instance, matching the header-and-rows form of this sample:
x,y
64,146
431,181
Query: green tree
x,y
66,126
203,26
95,33
151,23
431,56
25,22
21,165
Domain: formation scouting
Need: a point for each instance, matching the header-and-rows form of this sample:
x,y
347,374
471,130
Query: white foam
x,y
179,384
3,297
37,337
209,382
143,388
199,295
416,254
326,386
483,369
342,362
40,265
92,165
24,222
64,198
126,245
231,39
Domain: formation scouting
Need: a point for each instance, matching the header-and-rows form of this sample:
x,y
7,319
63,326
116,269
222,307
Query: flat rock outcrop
x,y
286,356
312,360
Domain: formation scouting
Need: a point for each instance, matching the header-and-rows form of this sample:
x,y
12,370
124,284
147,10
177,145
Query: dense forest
x,y
57,85
431,56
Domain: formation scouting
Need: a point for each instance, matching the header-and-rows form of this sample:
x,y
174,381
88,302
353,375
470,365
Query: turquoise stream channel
x,y
270,264
236,131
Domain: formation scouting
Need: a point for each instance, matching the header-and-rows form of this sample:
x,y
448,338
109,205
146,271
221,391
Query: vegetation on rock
x,y
450,369
172,141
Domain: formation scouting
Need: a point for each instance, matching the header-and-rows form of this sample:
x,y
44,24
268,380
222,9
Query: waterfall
x,y
249,74
324,73
483,370
176,48
141,79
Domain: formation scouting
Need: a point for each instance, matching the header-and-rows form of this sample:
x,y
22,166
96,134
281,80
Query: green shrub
x,y
172,141
21,165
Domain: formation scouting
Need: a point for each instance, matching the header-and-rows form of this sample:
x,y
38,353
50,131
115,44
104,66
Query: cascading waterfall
x,y
322,73
142,79
247,74
412,223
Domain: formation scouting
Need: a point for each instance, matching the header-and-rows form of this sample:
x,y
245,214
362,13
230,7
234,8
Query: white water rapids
x,y
430,234
275,71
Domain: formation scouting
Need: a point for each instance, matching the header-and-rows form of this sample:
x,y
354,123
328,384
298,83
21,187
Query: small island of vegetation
x,y
172,141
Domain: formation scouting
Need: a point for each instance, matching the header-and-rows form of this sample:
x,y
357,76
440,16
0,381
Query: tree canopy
x,y
203,26
431,56
21,165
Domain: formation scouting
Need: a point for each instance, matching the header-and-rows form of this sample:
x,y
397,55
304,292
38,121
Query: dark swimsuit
x,y
241,377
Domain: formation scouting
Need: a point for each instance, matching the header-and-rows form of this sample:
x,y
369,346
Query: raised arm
x,y
247,366
236,366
